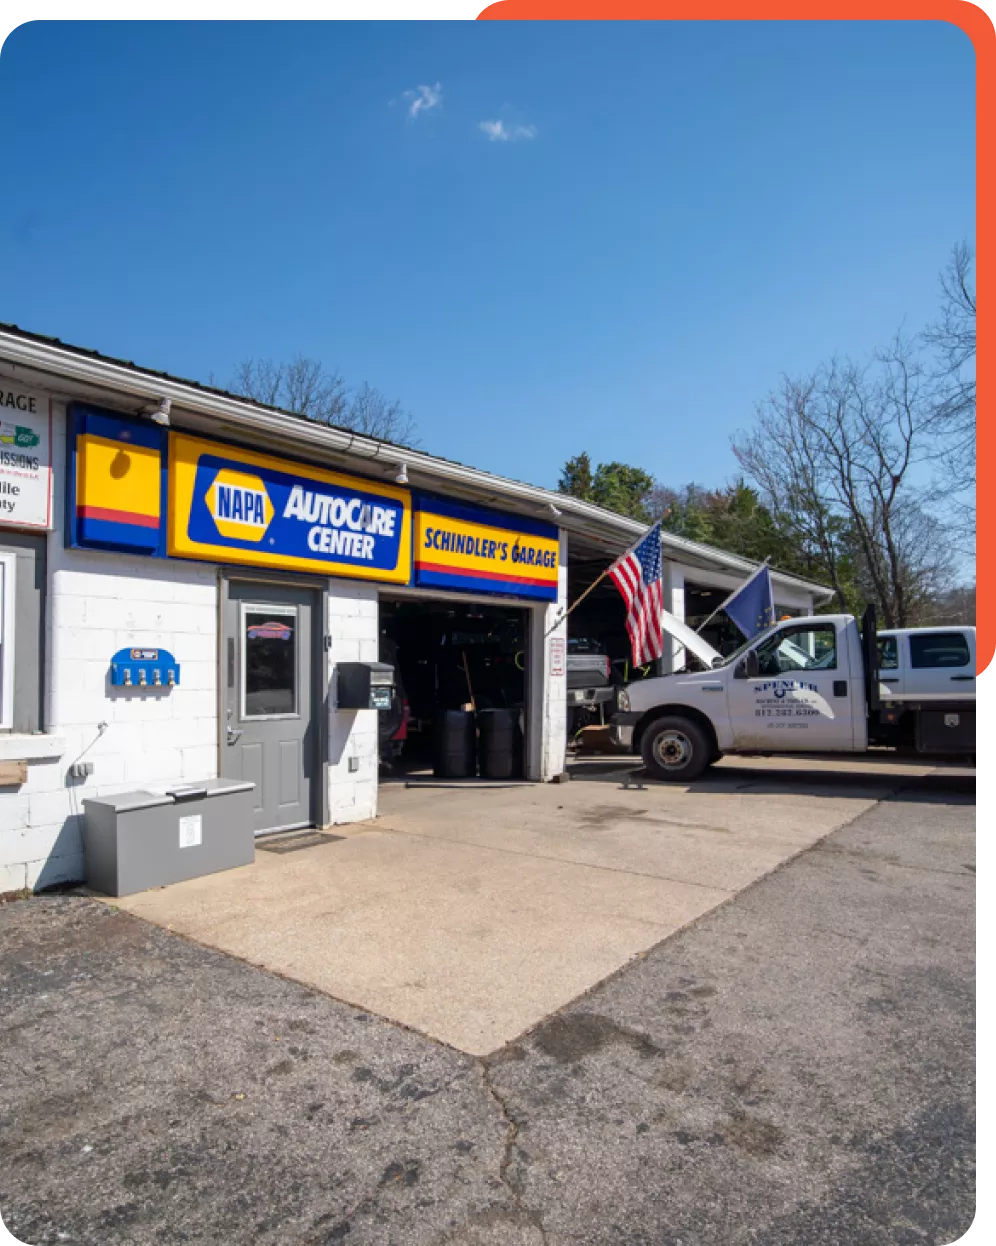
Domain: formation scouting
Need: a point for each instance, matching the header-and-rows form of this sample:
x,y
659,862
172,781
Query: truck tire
x,y
676,749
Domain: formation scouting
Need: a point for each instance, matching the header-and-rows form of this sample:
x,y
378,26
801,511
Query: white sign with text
x,y
557,662
25,456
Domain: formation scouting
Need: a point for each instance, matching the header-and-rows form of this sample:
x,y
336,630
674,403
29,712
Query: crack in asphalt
x,y
512,1127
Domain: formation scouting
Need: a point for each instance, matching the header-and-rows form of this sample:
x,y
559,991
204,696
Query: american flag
x,y
637,575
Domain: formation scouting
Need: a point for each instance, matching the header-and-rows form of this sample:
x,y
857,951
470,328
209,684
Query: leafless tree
x,y
835,458
307,388
782,455
371,413
951,608
302,386
922,566
262,380
952,339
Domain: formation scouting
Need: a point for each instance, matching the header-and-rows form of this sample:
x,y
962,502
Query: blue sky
x,y
670,216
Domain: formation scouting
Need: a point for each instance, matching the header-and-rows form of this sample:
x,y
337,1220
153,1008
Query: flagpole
x,y
740,589
594,584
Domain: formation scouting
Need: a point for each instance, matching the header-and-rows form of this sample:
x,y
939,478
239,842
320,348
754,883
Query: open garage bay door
x,y
447,654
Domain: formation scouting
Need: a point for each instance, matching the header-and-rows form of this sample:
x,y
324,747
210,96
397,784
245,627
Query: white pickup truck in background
x,y
929,661
819,684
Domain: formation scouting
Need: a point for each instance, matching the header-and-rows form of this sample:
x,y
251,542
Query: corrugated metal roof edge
x,y
52,355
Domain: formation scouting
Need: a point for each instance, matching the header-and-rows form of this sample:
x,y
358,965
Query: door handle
x,y
893,680
840,687
712,687
232,735
963,677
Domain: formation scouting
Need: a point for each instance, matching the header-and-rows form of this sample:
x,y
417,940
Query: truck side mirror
x,y
748,666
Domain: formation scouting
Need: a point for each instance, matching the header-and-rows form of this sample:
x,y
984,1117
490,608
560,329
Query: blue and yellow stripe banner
x,y
460,546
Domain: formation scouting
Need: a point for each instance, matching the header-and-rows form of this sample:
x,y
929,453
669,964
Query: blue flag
x,y
752,607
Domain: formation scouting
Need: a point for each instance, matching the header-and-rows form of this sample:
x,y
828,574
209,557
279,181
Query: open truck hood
x,y
692,641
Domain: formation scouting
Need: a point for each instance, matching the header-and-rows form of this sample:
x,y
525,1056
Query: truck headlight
x,y
622,700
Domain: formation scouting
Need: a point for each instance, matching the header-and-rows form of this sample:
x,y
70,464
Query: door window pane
x,y
939,649
888,653
269,664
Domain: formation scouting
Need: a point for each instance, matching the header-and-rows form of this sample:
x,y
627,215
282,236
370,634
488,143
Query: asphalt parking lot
x,y
797,1064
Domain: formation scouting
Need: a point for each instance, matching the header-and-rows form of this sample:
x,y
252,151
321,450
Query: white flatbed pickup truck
x,y
930,663
820,684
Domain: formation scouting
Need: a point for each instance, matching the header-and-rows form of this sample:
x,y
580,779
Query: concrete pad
x,y
467,944
471,915
724,838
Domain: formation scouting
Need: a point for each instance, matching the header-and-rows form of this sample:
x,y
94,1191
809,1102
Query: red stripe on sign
x,y
111,516
485,575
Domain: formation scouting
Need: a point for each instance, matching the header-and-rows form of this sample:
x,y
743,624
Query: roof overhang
x,y
77,374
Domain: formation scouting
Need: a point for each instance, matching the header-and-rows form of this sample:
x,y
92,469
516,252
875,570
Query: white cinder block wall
x,y
97,604
352,623
547,735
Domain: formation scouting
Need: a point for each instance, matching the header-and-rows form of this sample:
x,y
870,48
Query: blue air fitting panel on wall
x,y
144,668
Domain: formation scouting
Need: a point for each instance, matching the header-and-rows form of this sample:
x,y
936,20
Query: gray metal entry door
x,y
269,728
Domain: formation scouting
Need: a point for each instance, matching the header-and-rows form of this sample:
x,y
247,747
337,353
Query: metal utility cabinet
x,y
136,840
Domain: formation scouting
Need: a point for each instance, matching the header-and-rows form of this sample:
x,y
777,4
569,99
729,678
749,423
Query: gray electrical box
x,y
364,685
136,840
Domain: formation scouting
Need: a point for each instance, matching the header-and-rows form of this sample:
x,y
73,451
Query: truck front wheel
x,y
675,749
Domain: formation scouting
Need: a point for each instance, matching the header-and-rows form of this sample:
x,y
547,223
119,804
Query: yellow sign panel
x,y
233,505
460,546
119,479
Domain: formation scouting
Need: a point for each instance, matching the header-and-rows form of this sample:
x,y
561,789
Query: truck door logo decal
x,y
794,700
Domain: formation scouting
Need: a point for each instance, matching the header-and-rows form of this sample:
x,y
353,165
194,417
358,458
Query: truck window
x,y
939,649
806,648
888,653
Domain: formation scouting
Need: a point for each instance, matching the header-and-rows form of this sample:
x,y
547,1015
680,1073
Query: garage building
x,y
184,574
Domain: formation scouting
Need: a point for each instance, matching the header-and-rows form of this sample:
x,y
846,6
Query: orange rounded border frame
x,y
979,28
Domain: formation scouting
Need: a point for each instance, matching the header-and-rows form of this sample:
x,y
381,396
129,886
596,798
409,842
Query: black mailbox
x,y
364,685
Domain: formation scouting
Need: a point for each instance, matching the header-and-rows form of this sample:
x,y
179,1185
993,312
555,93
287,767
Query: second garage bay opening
x,y
448,655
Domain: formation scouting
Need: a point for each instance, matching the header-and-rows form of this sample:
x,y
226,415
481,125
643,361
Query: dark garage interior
x,y
448,655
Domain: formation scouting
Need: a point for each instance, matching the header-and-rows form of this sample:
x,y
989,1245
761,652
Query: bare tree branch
x,y
371,413
307,388
834,457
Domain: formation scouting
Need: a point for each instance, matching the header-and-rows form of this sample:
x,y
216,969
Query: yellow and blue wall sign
x,y
460,546
227,504
135,487
115,483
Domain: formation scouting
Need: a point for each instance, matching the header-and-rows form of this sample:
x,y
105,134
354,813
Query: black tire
x,y
676,749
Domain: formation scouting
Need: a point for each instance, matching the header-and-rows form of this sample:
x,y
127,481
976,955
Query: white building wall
x,y
99,603
547,730
352,625
674,603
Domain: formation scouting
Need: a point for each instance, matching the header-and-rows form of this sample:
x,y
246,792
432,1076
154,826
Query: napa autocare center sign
x,y
460,546
25,456
233,505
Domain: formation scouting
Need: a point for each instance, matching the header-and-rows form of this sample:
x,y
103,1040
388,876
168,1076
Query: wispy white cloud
x,y
423,98
499,132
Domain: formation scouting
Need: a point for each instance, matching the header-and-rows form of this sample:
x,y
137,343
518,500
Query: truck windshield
x,y
796,655
742,649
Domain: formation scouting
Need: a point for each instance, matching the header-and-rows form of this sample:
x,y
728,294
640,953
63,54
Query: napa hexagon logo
x,y
239,505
